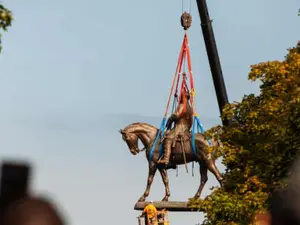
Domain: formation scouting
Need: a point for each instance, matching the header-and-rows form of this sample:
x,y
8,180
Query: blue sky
x,y
74,72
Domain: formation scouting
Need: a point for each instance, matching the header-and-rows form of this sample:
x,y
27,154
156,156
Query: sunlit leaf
x,y
5,21
259,144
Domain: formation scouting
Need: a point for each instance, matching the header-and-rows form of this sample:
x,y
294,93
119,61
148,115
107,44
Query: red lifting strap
x,y
184,54
184,88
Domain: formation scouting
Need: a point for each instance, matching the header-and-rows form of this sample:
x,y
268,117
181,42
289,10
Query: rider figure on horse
x,y
183,118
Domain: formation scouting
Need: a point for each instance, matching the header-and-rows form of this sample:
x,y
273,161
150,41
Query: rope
x,y
184,66
182,6
176,74
160,133
183,152
193,166
180,65
193,138
184,55
201,128
174,104
189,63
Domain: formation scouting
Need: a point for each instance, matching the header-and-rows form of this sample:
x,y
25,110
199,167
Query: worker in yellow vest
x,y
150,210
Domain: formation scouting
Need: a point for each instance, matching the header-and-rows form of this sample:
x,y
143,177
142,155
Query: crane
x,y
213,56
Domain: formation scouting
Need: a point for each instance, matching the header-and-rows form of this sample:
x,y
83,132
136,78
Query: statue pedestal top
x,y
169,206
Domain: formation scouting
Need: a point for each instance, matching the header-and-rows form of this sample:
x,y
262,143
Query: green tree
x,y
259,144
5,20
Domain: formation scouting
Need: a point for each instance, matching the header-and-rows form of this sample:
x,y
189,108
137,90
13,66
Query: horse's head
x,y
131,140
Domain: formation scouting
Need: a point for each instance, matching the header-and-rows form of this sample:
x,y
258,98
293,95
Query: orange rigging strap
x,y
176,73
183,55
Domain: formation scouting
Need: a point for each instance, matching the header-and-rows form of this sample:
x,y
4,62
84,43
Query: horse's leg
x,y
210,163
151,174
165,179
204,178
207,159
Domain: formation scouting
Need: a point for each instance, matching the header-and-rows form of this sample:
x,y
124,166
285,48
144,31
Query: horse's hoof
x,y
196,197
222,183
142,199
165,199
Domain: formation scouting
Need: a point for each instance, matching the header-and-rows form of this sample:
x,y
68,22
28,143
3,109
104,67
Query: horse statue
x,y
147,133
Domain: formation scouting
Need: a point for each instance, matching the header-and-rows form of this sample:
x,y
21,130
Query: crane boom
x,y
213,56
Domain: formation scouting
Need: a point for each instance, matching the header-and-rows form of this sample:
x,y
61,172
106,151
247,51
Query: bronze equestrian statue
x,y
146,133
183,118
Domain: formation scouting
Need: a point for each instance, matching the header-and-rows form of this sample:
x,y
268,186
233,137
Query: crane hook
x,y
186,20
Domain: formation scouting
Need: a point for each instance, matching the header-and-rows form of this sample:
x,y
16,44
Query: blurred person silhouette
x,y
17,205
285,203
33,211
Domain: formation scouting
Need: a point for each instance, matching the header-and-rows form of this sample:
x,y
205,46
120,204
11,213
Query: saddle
x,y
183,137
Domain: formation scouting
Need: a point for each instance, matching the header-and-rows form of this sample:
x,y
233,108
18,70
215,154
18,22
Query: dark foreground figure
x,y
32,211
285,204
17,205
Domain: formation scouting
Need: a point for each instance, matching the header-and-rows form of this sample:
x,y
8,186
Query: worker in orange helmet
x,y
151,211
183,119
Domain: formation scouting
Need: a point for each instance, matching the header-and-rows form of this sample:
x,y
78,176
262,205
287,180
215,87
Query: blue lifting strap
x,y
160,133
196,123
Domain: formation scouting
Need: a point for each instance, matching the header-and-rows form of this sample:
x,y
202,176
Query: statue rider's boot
x,y
167,152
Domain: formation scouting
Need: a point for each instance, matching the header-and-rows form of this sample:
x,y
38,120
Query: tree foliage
x,y
259,144
5,20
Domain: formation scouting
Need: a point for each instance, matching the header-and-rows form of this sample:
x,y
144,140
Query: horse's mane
x,y
133,126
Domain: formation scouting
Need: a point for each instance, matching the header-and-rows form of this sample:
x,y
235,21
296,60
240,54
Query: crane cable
x,y
186,21
182,6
